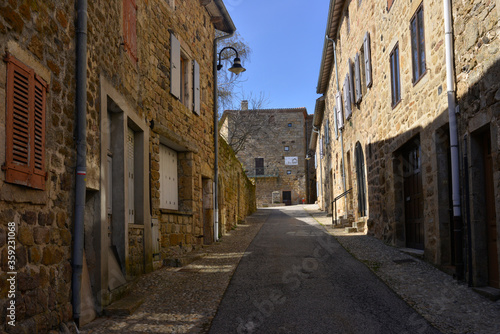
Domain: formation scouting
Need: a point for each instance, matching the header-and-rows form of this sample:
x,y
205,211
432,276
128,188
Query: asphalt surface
x,y
296,278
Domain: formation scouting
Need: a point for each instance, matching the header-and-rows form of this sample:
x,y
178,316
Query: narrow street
x,y
296,278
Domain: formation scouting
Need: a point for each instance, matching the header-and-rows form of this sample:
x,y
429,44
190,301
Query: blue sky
x,y
286,38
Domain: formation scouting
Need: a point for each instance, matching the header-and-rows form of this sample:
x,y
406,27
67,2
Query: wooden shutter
x,y
351,81
196,87
25,126
175,66
347,97
368,62
389,4
357,76
130,28
340,119
169,191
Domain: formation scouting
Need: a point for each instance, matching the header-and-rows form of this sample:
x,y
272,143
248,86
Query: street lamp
x,y
236,68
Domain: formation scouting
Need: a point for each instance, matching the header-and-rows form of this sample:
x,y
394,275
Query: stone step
x,y
351,230
124,306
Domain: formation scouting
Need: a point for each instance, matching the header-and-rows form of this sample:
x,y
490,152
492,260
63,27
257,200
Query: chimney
x,y
244,105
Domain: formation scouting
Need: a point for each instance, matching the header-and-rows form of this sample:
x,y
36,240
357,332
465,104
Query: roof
x,y
317,119
275,110
332,26
220,16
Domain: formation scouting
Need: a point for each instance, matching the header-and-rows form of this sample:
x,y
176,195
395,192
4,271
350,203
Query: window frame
x,y
25,128
395,93
418,42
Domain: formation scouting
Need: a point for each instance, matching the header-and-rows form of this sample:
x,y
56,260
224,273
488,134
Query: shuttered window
x,y
340,119
196,87
175,66
347,97
368,62
395,79
169,187
357,78
130,28
25,126
351,80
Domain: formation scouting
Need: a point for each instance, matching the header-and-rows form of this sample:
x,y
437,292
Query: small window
x,y
418,44
287,148
129,28
288,172
395,80
259,166
289,125
25,125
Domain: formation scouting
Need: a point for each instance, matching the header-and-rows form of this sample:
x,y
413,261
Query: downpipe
x,y
455,159
81,156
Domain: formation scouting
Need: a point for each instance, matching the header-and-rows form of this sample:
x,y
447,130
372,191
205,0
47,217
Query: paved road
x,y
296,278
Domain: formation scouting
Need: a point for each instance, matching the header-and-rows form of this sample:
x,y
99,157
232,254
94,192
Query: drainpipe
x,y
455,170
341,130
216,139
81,155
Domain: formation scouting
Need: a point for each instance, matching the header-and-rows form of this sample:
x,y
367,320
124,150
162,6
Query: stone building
x,y
391,96
150,152
271,145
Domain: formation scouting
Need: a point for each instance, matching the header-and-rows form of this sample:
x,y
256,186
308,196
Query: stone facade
x,y
236,190
278,138
150,149
394,154
41,36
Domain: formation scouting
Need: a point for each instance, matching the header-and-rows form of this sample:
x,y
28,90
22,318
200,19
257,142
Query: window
x,y
340,119
287,148
418,44
327,132
169,188
185,77
288,172
347,97
129,28
259,166
25,125
395,81
289,125
357,78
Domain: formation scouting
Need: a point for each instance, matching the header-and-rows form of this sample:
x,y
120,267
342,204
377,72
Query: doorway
x,y
287,197
413,197
360,176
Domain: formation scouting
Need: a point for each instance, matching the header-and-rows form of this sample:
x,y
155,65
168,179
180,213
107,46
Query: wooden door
x,y
413,197
493,276
130,178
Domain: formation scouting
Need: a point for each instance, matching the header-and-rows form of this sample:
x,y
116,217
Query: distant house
x,y
272,144
409,132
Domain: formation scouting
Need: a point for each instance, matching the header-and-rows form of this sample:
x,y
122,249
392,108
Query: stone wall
x,y
40,35
236,190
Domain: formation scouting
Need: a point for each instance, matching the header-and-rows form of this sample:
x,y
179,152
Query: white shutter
x,y
357,75
130,167
196,87
155,235
347,98
340,119
351,81
175,66
368,63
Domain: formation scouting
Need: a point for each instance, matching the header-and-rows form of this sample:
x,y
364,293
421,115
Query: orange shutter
x,y
25,126
389,4
130,27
